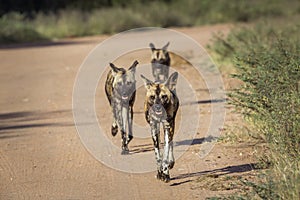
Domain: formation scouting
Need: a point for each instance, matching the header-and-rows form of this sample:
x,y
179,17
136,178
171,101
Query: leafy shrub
x,y
267,60
82,18
13,30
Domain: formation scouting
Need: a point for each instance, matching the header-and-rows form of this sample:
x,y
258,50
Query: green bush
x,y
79,19
267,60
15,30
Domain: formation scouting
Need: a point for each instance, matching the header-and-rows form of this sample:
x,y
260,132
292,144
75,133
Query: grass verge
x,y
16,27
267,62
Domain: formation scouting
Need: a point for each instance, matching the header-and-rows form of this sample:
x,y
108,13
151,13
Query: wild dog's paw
x,y
165,178
114,130
125,151
158,175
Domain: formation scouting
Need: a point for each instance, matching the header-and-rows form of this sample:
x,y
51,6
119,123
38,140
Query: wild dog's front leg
x,y
154,72
167,144
114,126
171,155
155,127
166,72
130,121
124,121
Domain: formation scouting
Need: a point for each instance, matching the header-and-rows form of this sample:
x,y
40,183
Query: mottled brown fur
x,y
160,60
120,90
161,105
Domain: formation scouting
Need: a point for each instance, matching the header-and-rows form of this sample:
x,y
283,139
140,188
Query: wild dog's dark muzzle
x,y
124,96
158,109
125,93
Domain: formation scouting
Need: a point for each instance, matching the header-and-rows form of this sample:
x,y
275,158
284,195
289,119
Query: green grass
x,y
266,58
16,27
13,30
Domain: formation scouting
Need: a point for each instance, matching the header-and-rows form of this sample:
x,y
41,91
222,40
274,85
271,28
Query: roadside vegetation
x,y
28,23
264,56
266,60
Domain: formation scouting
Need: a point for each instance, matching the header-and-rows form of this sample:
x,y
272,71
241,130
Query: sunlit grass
x,y
16,27
267,62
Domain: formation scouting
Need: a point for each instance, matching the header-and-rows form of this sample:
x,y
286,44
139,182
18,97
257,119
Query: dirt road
x,y
41,155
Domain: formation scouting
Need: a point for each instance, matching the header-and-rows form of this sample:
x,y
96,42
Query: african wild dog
x,y
160,61
161,106
120,87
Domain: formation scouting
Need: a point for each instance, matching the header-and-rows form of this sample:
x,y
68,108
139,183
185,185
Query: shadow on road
x,y
142,150
12,123
196,141
217,172
209,101
149,147
43,44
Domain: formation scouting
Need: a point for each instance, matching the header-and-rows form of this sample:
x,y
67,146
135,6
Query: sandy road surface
x,y
41,155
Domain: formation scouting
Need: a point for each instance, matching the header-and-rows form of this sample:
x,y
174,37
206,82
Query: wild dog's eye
x,y
119,83
129,83
152,97
164,97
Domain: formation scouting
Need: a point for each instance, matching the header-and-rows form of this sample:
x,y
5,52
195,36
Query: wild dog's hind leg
x,y
155,127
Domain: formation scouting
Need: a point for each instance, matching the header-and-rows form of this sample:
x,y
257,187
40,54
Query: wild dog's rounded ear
x,y
172,81
165,47
114,68
147,82
151,45
133,66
